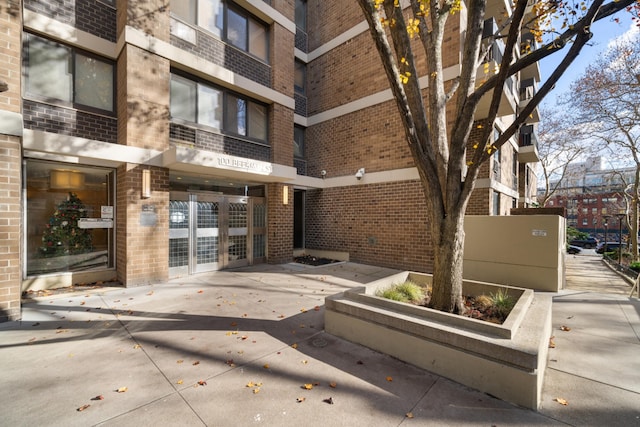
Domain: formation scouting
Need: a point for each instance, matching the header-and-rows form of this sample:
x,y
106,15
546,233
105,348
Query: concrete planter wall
x,y
506,361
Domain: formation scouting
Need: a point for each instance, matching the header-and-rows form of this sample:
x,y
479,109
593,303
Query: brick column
x,y
10,160
143,121
279,224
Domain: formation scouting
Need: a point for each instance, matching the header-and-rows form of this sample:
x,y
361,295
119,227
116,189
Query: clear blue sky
x,y
604,31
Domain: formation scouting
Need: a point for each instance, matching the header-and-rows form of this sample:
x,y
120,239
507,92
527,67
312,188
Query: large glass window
x,y
70,216
205,104
301,14
58,73
298,141
233,25
300,77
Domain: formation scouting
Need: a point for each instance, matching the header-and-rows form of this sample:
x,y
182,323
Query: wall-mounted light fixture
x,y
146,183
285,195
323,173
66,180
360,173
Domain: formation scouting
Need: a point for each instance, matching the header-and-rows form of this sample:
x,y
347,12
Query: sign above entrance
x,y
209,163
247,165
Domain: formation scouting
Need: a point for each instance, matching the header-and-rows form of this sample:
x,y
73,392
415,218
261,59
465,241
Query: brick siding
x,y
216,51
91,16
10,229
69,121
380,224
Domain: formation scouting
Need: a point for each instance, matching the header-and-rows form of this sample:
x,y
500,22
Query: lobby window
x,y
205,104
233,25
300,77
301,14
496,203
60,74
70,213
298,142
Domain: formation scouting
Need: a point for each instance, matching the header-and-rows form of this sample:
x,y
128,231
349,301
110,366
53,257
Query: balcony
x,y
528,89
528,145
528,44
488,69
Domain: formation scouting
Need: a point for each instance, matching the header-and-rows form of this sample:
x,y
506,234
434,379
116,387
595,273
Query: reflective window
x,y
70,217
202,103
232,24
58,73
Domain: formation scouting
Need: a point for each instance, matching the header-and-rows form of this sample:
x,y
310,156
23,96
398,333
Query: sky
x,y
604,32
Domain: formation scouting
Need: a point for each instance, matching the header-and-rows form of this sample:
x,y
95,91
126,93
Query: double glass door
x,y
211,232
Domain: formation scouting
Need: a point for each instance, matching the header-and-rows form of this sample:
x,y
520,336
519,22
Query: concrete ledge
x,y
510,368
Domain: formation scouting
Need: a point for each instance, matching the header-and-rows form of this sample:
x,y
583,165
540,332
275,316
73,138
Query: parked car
x,y
607,247
573,249
588,243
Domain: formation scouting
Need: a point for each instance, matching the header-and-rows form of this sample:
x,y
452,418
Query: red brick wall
x,y
372,138
142,251
279,224
10,164
380,224
10,229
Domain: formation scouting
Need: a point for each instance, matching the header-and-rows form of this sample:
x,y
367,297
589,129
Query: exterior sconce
x,y
146,183
285,195
360,173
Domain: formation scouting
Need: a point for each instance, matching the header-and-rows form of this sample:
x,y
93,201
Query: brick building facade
x,y
147,139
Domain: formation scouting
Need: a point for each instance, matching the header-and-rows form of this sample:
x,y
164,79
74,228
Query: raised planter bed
x,y
506,361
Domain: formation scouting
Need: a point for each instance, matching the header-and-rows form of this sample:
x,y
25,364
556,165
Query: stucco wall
x,y
525,251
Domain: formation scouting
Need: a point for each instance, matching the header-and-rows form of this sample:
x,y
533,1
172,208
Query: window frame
x,y
73,53
223,33
224,119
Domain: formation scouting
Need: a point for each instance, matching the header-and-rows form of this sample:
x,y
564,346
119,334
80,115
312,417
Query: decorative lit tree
x,y
62,235
439,114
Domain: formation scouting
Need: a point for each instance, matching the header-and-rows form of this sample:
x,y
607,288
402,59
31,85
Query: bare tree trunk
x,y
448,239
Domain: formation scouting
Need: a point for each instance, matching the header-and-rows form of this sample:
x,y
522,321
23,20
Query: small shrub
x,y
502,303
635,265
405,292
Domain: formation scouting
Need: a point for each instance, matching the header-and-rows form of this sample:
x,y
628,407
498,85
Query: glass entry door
x,y
211,232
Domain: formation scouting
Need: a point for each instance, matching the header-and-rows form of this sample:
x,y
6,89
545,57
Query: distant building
x,y
592,195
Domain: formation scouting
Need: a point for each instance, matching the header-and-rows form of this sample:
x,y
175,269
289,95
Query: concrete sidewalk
x,y
246,347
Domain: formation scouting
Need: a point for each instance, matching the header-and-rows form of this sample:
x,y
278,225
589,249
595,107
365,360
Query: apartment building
x,y
145,140
595,197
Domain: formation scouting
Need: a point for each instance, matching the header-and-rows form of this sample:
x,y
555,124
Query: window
x,y
496,203
300,77
585,221
59,73
208,105
301,14
298,141
59,197
233,25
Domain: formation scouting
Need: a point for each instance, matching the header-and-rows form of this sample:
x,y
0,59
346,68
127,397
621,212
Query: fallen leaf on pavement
x,y
99,397
328,400
333,385
561,401
265,366
301,399
294,345
565,328
552,344
256,390
389,379
409,415
83,407
197,362
179,382
122,389
202,382
307,386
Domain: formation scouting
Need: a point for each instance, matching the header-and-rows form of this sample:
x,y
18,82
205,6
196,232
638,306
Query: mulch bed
x,y
314,261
